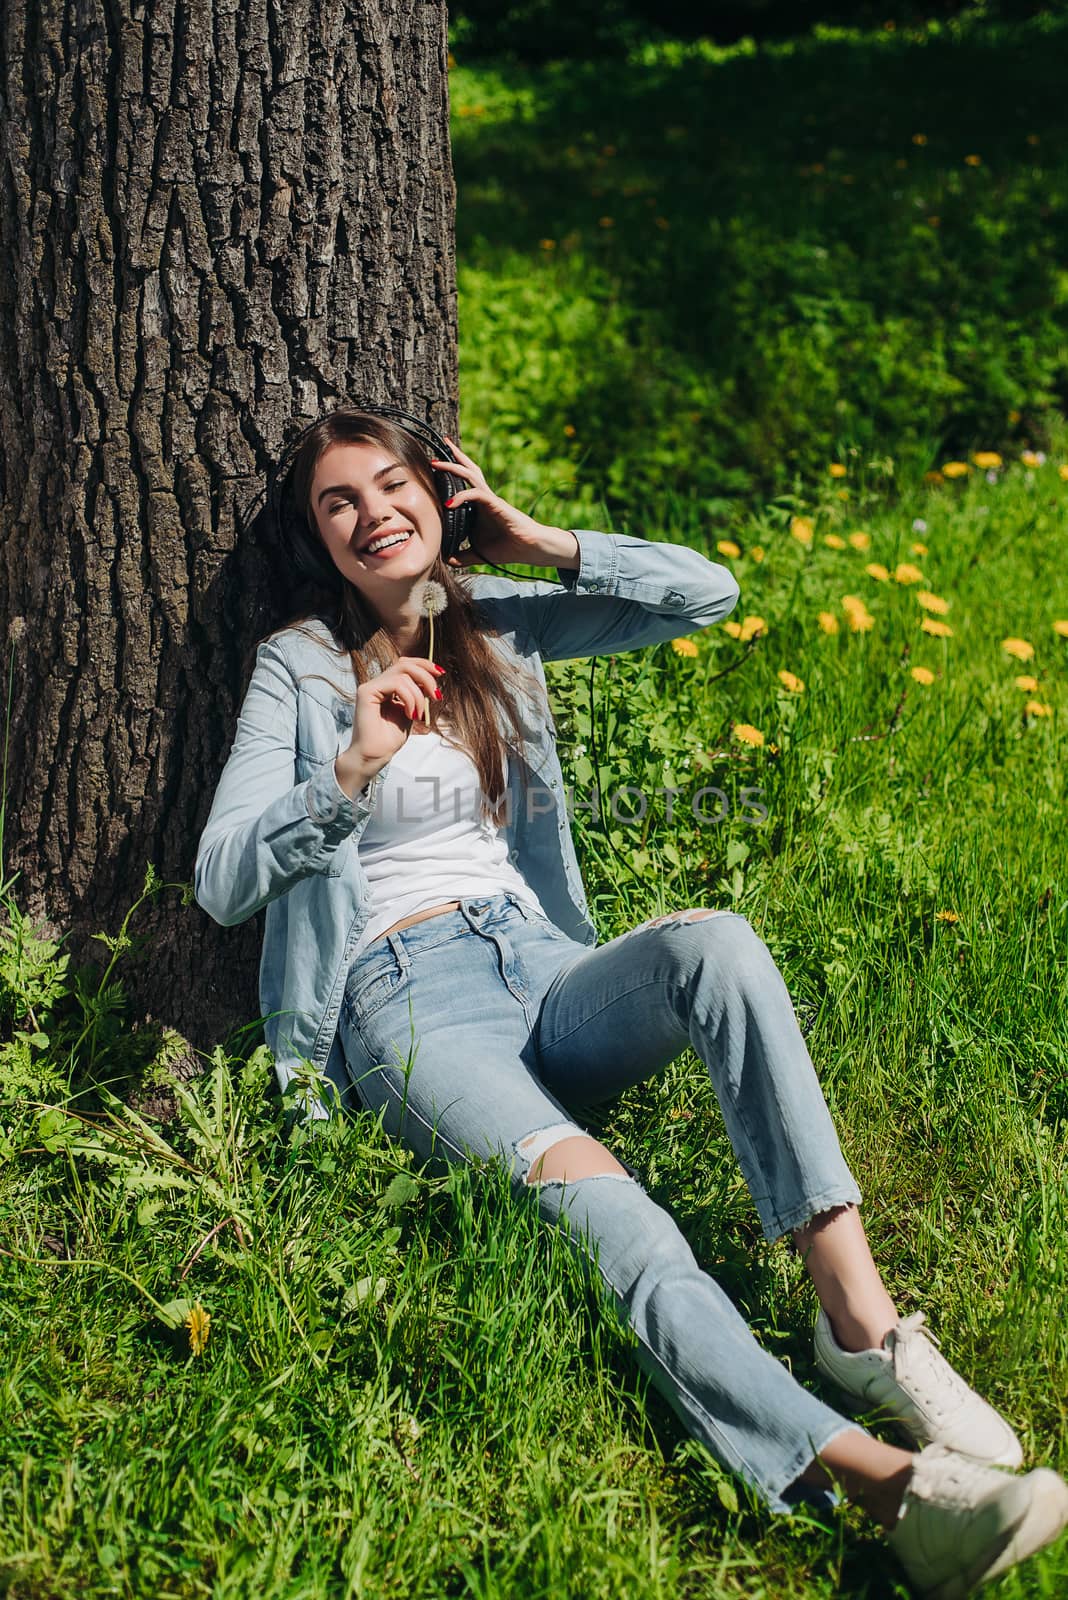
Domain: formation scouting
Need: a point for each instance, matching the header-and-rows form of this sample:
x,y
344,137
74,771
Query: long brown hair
x,y
478,681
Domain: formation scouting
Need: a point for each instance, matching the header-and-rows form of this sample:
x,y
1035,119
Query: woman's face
x,y
360,496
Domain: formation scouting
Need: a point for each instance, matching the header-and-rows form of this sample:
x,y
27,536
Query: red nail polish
x,y
449,502
437,694
439,669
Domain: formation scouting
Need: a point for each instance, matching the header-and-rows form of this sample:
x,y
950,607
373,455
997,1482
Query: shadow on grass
x,y
810,269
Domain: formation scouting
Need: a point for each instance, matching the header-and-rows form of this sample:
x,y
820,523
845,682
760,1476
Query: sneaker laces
x,y
957,1481
919,1359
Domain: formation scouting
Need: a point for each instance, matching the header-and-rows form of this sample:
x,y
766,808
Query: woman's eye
x,y
398,485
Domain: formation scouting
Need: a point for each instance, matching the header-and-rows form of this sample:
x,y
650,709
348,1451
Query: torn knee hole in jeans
x,y
691,914
535,1147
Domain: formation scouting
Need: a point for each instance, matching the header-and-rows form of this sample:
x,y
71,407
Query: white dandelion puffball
x,y
434,599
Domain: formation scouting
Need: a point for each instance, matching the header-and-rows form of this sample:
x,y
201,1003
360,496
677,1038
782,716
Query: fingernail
x,y
439,669
449,502
437,694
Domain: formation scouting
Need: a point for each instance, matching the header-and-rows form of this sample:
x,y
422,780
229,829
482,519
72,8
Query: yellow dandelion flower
x,y
923,675
791,681
662,223
801,529
932,602
905,572
1037,708
451,60
757,552
569,429
834,542
1018,648
606,222
858,616
828,622
973,161
876,570
198,1323
918,549
843,494
751,626
747,734
1030,458
955,469
733,628
919,138
1063,471
933,222
837,469
947,916
1026,682
986,459
727,547
860,540
547,244
684,647
1061,627
933,477
938,630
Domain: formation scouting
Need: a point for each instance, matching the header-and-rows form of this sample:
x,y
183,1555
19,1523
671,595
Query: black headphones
x,y
457,522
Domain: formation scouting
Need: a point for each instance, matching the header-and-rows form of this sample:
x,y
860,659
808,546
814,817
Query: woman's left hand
x,y
504,534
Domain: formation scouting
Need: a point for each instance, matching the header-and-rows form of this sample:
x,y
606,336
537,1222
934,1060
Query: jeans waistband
x,y
474,914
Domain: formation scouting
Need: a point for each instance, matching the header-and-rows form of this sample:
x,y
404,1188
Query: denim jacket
x,y
283,834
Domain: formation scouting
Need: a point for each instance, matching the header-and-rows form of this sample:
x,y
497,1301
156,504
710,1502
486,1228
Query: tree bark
x,y
216,215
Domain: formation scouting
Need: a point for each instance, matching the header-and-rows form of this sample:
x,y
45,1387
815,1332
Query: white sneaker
x,y
962,1523
911,1380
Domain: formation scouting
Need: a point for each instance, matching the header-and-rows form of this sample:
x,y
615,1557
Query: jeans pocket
x,y
371,984
538,919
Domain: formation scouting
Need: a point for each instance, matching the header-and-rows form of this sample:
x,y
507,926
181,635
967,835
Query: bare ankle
x,y
856,1333
872,1474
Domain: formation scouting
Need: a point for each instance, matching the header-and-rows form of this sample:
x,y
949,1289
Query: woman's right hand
x,y
387,706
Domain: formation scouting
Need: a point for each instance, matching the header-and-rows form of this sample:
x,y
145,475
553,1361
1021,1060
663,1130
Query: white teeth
x,y
383,544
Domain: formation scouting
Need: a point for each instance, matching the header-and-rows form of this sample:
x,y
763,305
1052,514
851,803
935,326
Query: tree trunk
x,y
216,215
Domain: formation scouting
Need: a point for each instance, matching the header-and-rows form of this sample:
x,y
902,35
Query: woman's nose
x,y
375,508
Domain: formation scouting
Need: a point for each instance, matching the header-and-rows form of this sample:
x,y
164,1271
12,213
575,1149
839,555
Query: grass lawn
x,y
405,1388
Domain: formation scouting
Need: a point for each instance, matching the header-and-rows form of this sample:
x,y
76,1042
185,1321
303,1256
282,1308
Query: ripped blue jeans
x,y
473,1031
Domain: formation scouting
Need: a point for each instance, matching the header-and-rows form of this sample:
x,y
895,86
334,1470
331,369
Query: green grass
x,y
407,1389
721,268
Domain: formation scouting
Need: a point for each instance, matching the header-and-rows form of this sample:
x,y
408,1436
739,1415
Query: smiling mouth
x,y
389,543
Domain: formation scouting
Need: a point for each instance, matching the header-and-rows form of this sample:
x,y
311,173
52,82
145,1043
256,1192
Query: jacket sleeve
x,y
264,832
627,593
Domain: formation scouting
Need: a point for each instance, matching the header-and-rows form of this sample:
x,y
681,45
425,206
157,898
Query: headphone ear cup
x,y
456,521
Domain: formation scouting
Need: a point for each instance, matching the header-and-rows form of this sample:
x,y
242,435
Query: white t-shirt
x,y
427,841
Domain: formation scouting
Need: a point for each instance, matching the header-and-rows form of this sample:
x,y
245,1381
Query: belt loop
x,y
396,944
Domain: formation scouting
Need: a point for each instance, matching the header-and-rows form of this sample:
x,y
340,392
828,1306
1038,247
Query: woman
x,y
428,949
